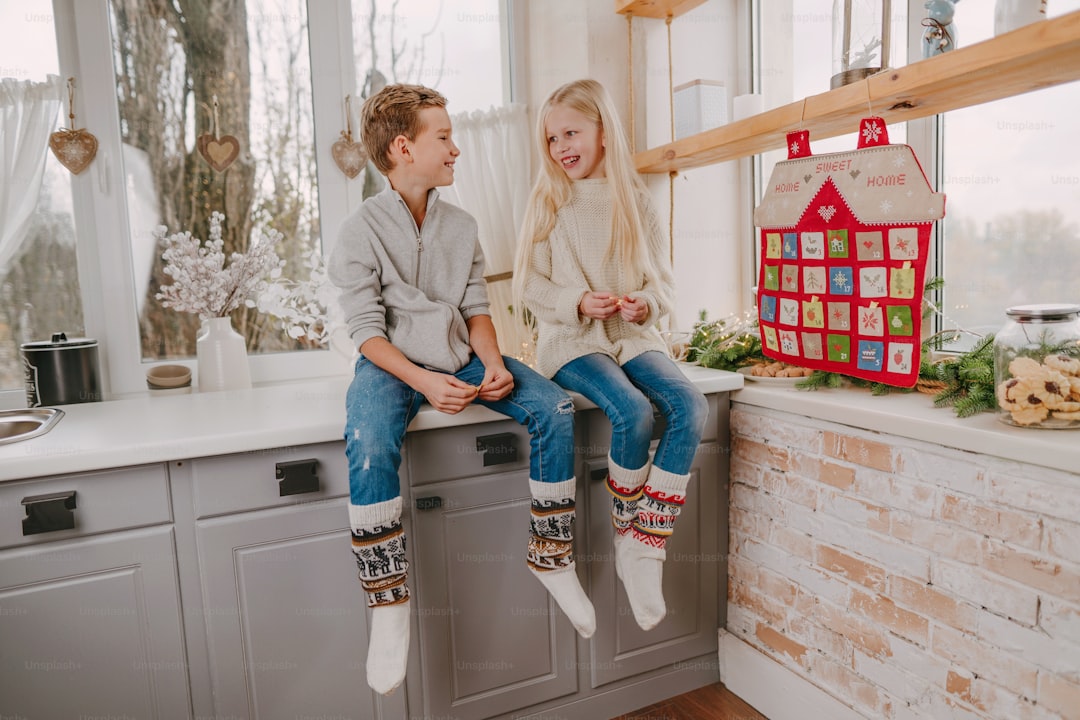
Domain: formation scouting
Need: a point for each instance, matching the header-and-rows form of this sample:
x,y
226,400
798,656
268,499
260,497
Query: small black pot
x,y
61,371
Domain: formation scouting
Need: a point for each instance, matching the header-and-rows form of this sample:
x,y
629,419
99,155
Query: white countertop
x,y
145,429
913,415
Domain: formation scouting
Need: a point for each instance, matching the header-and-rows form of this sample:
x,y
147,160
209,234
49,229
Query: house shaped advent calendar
x,y
844,239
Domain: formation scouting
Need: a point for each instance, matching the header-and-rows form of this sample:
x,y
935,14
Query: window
x,y
1011,232
147,75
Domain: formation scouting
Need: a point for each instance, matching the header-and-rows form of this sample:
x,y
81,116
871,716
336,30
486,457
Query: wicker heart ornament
x,y
219,152
73,148
349,156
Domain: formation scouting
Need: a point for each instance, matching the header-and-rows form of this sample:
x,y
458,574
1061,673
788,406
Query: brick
x,y
846,684
791,487
1061,621
918,661
896,491
745,472
993,521
859,451
928,601
742,570
953,471
839,476
845,565
777,587
1033,570
856,511
749,522
885,612
760,605
959,685
775,430
985,660
758,453
888,676
780,643
860,631
823,640
1062,539
797,543
942,539
1051,493
984,589
1058,694
1047,647
751,500
1001,703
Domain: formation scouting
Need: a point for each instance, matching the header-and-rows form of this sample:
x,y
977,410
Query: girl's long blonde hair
x,y
553,187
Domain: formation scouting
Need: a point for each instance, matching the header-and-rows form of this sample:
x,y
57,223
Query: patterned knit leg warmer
x,y
625,488
378,542
640,553
551,551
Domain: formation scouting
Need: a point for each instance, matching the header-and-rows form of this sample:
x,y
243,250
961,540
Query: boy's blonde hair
x,y
394,110
553,187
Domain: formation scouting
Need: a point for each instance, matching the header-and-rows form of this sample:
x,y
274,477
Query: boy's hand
x,y
446,393
599,305
498,382
633,310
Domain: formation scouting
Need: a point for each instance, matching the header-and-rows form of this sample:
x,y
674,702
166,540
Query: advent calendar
x,y
844,239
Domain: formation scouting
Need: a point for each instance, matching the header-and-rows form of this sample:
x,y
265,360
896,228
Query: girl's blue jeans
x,y
379,407
627,394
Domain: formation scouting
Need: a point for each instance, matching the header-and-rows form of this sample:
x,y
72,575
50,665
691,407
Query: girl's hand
x,y
599,305
633,310
498,382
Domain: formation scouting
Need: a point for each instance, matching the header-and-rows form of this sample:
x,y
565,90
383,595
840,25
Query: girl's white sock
x,y
388,646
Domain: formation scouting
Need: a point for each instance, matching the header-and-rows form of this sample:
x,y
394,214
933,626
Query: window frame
x,y
104,260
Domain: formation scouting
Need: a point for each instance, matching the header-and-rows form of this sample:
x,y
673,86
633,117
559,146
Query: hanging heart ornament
x,y
218,152
349,156
73,148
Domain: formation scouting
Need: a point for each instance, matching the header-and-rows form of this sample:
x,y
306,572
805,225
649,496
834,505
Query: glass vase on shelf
x,y
860,39
221,355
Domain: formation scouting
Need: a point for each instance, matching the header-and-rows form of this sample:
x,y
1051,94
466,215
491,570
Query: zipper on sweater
x,y
419,253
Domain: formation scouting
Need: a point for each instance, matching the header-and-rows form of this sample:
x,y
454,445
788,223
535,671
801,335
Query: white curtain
x,y
492,181
28,113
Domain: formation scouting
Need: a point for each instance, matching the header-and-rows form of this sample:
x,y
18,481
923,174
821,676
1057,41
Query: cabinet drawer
x,y
468,451
269,478
69,506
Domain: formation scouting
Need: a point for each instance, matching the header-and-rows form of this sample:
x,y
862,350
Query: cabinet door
x,y
285,615
491,638
694,576
92,628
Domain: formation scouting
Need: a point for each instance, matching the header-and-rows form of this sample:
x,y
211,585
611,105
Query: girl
x,y
592,266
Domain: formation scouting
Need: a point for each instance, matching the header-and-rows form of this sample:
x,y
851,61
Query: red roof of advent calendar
x,y
844,241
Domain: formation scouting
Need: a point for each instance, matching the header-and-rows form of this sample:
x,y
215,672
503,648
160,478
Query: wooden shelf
x,y
1036,56
659,9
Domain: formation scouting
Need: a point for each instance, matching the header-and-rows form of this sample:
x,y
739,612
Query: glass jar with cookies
x,y
1037,366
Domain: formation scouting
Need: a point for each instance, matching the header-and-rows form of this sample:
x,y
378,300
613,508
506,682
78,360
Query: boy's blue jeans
x,y
379,407
626,395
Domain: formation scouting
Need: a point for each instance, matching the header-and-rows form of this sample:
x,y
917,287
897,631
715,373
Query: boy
x,y
410,270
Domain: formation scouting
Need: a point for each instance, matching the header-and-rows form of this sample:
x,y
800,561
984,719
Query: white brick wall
x,y
906,579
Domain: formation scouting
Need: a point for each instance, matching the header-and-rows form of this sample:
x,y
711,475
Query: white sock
x,y
388,646
640,554
550,555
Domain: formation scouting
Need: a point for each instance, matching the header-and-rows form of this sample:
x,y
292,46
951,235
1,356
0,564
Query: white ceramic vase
x,y
222,357
1011,14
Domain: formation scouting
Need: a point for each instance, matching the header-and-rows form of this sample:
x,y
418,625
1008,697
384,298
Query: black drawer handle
x,y
49,513
498,448
297,477
431,502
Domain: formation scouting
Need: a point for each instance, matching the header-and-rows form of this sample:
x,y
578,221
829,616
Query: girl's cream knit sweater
x,y
572,261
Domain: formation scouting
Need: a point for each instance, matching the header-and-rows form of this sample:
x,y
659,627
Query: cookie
x,y
1063,364
1059,415
1029,415
1025,366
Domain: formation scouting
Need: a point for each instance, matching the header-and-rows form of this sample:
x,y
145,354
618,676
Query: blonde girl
x,y
593,269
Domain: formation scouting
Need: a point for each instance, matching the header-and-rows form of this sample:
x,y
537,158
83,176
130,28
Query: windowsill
x,y
913,416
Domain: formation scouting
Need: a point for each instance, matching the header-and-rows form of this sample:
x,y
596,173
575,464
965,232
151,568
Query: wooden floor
x,y
712,702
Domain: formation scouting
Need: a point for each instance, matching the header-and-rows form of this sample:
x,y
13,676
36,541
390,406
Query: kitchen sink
x,y
16,425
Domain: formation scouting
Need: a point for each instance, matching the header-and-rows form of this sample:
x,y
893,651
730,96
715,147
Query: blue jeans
x,y
627,394
379,407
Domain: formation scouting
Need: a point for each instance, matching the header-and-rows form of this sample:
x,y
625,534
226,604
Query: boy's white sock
x,y
640,554
378,542
388,646
551,551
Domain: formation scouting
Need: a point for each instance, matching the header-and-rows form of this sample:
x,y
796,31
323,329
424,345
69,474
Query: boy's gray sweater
x,y
414,287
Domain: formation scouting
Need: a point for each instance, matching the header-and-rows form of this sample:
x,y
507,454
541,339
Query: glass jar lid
x,y
1044,312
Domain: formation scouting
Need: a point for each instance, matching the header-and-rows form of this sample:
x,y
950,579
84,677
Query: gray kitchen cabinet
x,y
491,639
89,604
282,622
